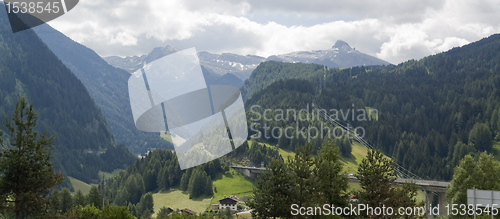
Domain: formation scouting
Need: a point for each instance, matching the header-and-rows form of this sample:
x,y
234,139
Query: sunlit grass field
x,y
177,199
80,185
232,183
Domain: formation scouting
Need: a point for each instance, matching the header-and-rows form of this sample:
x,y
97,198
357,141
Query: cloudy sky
x,y
393,30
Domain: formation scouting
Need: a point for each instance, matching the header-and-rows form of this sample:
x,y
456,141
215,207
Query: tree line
x,y
253,153
311,181
28,177
159,171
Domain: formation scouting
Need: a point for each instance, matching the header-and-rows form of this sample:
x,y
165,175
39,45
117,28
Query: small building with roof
x,y
230,202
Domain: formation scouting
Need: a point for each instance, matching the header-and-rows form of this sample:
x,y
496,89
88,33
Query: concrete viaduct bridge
x,y
429,187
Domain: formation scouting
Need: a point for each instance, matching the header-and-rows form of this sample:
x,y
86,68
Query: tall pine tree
x,y
272,196
27,172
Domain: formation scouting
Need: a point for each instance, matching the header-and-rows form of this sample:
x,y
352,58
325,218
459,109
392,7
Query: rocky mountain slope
x,y
341,55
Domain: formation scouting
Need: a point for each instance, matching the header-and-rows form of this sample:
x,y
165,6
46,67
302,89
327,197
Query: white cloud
x,y
392,30
449,43
125,39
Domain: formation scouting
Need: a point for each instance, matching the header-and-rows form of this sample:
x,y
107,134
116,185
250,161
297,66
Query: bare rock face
x,y
341,55
341,45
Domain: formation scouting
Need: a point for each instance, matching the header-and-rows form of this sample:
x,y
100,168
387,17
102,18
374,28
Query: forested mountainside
x,y
28,68
108,86
271,71
432,111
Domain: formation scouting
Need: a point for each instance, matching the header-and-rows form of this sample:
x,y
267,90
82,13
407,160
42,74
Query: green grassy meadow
x,y
229,183
177,199
357,154
80,185
372,113
85,187
232,183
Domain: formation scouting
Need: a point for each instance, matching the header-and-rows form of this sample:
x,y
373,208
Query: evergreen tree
x,y
163,180
122,197
27,172
66,200
345,146
175,173
185,179
135,188
150,178
80,198
283,141
197,183
94,197
376,178
481,138
405,196
331,183
132,208
304,180
147,215
163,214
209,187
272,195
459,151
145,206
301,168
55,200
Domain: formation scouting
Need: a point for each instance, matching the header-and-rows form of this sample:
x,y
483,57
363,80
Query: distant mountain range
x,y
217,69
241,66
131,64
341,55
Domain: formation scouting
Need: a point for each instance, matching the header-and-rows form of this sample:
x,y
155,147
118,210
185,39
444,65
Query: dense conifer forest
x,y
432,112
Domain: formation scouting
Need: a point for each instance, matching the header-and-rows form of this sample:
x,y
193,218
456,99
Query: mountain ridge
x,y
341,55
